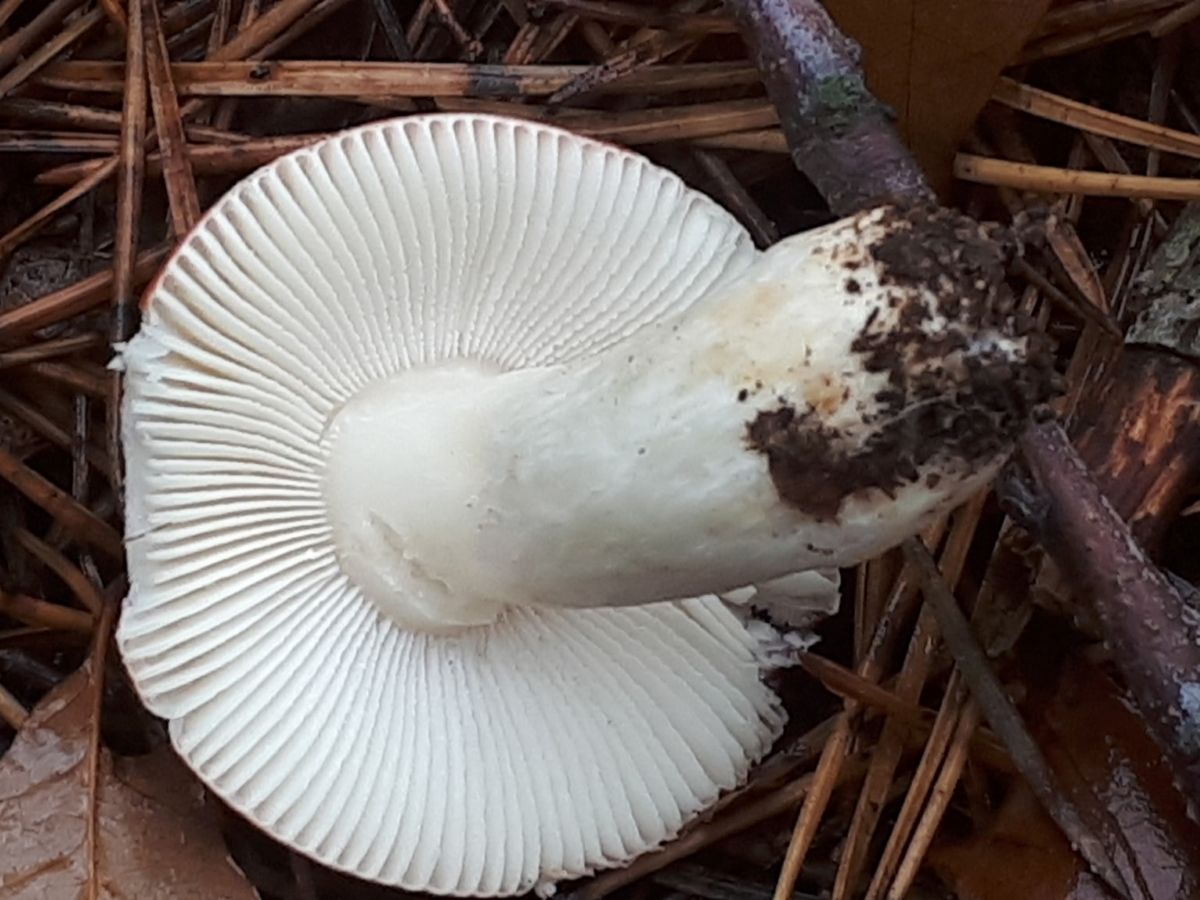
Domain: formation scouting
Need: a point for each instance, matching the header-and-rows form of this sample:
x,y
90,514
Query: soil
x,y
943,407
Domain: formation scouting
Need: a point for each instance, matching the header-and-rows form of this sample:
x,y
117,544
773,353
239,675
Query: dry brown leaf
x,y
1102,752
1105,759
77,822
935,62
1021,854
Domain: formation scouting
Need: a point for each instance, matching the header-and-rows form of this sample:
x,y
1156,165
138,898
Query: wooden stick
x,y
17,141
50,349
833,125
678,123
131,173
74,299
764,140
12,710
383,80
80,470
647,16
208,159
54,114
597,38
622,65
85,592
824,779
51,17
849,685
738,199
1006,721
1064,45
469,44
1065,111
131,163
694,841
40,219
871,667
943,790
76,519
219,30
641,126
116,15
228,108
1166,66
520,50
7,8
264,29
93,384
551,36
182,198
1053,180
923,779
22,71
393,29
1083,14
913,674
418,22
45,426
1155,640
1175,19
32,611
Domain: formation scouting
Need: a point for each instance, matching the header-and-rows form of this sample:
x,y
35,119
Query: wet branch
x,y
1154,637
839,135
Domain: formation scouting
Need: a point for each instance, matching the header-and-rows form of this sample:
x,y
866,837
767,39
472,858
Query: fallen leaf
x,y
1103,756
77,822
1102,752
1020,854
935,62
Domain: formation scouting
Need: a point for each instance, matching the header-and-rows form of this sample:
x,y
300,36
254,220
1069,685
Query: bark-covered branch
x,y
840,136
1153,634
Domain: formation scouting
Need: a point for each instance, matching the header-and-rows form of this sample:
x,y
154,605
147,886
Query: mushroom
x,y
446,435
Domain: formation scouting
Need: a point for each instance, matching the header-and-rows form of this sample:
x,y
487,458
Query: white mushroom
x,y
442,437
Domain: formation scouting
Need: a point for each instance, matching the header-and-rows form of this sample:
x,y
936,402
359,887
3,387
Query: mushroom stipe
x,y
457,447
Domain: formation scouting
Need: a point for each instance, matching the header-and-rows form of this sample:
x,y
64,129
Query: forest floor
x,y
1087,108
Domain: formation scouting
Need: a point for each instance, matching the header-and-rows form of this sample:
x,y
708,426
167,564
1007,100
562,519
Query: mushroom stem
x,y
812,410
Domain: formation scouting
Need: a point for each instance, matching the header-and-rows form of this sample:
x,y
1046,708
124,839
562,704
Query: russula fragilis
x,y
443,437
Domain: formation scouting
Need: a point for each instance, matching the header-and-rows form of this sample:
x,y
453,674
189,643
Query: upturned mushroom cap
x,y
442,438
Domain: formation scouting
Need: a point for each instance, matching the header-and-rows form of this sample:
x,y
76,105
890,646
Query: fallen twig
x,y
12,711
1154,636
74,299
1005,720
75,30
840,136
182,198
88,595
49,350
1055,180
130,173
1074,114
33,611
76,519
384,80
35,31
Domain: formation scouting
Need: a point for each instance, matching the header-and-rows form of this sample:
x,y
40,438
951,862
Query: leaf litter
x,y
75,821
